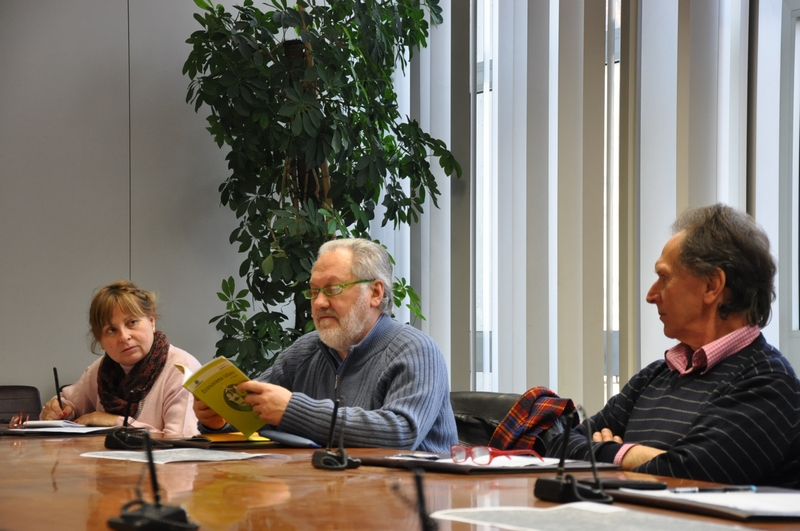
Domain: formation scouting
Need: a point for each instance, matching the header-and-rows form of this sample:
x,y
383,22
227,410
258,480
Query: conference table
x,y
46,484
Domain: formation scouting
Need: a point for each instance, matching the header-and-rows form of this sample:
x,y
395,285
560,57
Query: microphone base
x,y
566,490
328,460
149,517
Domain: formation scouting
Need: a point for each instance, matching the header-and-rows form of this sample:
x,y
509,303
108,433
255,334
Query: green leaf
x,y
240,108
362,163
308,126
267,265
311,74
204,5
247,95
227,347
291,19
288,110
228,287
297,126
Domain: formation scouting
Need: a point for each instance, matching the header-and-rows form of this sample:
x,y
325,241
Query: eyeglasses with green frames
x,y
332,291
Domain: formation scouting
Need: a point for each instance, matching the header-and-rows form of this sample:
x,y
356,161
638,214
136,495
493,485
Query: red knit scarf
x,y
114,386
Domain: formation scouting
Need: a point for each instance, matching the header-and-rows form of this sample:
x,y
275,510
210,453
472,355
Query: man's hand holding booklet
x,y
215,383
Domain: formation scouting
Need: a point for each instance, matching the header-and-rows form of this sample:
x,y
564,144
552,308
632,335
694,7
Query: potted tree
x,y
303,98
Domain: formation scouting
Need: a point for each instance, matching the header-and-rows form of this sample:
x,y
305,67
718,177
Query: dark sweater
x,y
739,423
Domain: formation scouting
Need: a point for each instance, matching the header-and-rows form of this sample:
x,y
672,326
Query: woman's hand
x,y
53,411
98,418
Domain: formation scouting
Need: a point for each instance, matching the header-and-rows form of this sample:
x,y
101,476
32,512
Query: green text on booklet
x,y
215,384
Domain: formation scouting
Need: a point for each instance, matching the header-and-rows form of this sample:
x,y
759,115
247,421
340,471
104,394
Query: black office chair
x,y
478,413
19,398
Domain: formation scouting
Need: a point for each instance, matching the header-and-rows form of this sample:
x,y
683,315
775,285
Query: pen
x,y
429,457
729,488
58,391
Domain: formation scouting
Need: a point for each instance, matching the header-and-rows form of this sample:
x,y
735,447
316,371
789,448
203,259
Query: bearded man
x,y
391,378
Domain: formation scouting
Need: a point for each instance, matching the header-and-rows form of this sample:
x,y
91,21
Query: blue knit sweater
x,y
739,423
394,389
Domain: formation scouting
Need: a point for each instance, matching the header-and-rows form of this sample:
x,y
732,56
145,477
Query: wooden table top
x,y
46,485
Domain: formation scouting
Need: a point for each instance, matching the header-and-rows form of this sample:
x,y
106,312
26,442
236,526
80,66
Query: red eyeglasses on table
x,y
483,455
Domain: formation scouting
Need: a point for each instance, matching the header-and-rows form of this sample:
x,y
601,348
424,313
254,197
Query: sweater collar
x,y
371,342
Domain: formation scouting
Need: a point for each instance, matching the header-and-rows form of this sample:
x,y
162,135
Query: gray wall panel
x,y
180,245
75,211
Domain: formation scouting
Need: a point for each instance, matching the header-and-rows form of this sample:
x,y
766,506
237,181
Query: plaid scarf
x,y
114,386
535,412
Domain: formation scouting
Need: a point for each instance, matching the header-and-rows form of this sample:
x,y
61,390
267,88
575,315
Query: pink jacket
x,y
167,408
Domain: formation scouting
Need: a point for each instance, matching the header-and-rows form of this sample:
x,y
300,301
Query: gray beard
x,y
351,326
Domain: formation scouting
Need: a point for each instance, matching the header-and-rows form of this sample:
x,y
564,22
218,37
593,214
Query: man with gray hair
x,y
723,405
391,378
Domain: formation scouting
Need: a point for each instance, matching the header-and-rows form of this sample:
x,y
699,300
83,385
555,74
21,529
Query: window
x,y
486,200
488,209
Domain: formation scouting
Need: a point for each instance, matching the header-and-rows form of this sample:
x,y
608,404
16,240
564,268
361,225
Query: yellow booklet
x,y
215,384
234,441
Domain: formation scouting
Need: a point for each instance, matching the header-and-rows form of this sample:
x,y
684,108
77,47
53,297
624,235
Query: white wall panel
x,y
541,163
430,248
580,202
782,118
766,149
701,141
657,158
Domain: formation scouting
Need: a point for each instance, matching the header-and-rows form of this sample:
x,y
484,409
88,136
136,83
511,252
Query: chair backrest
x,y
478,413
16,398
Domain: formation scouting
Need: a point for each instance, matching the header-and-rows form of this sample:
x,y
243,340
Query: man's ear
x,y
715,286
378,289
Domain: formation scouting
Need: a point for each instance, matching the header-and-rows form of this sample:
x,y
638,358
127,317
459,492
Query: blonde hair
x,y
122,294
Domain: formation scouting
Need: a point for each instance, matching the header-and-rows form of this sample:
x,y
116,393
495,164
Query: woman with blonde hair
x,y
136,372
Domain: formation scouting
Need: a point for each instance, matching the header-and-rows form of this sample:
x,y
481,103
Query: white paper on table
x,y
173,455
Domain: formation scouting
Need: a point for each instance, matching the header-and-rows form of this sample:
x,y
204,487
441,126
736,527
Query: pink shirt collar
x,y
707,356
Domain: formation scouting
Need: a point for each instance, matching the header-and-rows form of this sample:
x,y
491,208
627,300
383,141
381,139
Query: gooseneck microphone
x,y
128,409
138,515
564,488
328,459
129,437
